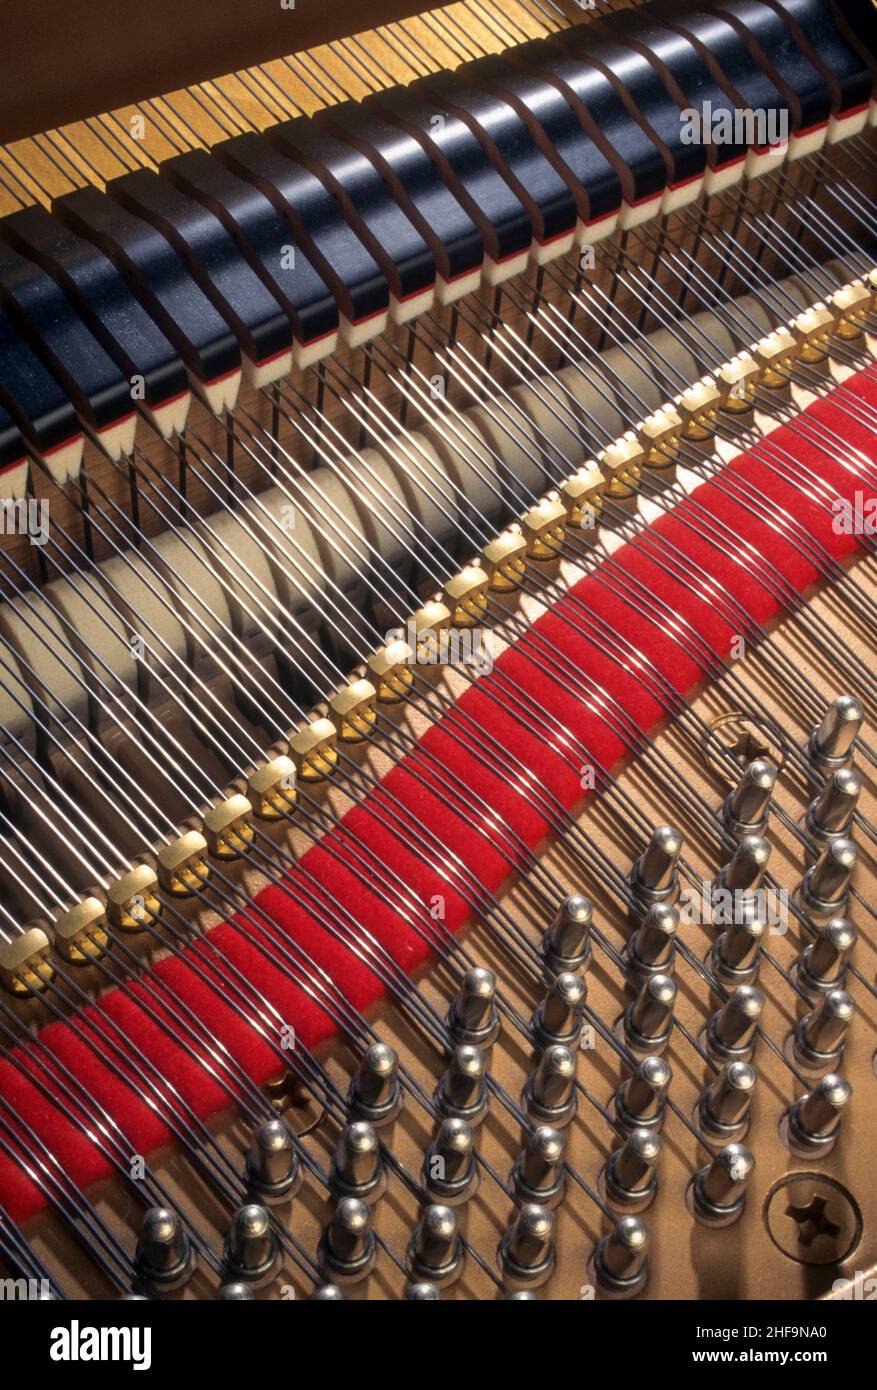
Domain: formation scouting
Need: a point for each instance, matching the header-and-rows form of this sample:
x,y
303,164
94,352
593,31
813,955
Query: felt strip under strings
x,y
719,560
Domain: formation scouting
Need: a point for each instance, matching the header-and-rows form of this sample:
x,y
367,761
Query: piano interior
x,y
437,627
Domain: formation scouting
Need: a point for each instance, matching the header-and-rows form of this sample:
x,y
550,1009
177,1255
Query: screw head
x,y
813,1219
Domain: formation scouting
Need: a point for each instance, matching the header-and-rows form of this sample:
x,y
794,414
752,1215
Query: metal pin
x,y
538,1175
723,1111
450,1172
550,1095
566,944
830,814
375,1092
473,1016
348,1248
826,885
731,1032
273,1169
719,1190
651,949
631,1176
327,1293
526,1252
641,1100
422,1293
745,810
462,1091
823,964
164,1254
814,1119
742,875
523,1296
620,1260
653,877
357,1167
831,744
251,1251
436,1254
235,1293
819,1035
558,1017
648,1021
736,955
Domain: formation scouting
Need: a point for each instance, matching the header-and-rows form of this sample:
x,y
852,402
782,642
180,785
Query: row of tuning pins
x,y
717,1193
812,1125
816,1045
450,1173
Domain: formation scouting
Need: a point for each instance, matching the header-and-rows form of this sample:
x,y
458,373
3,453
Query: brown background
x,y
63,60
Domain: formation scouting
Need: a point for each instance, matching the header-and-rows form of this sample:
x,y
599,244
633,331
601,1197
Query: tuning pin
x,y
648,1021
164,1253
357,1167
823,964
620,1260
819,1035
235,1293
745,810
550,1094
814,1119
375,1091
251,1250
422,1293
719,1190
736,955
526,1252
558,1018
450,1172
651,949
740,879
538,1175
523,1296
348,1248
830,814
273,1169
436,1254
831,745
724,1106
641,1100
327,1293
826,885
462,1091
732,1030
654,877
566,944
631,1175
473,1016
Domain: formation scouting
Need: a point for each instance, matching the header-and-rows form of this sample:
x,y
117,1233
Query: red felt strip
x,y
122,1017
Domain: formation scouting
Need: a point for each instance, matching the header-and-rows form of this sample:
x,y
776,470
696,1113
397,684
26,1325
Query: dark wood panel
x,y
67,59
